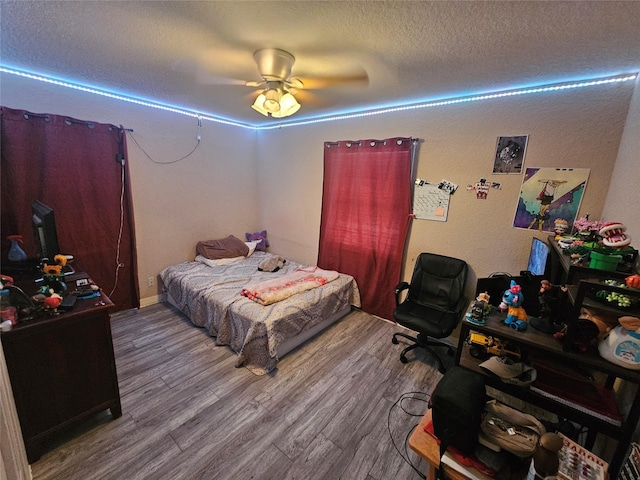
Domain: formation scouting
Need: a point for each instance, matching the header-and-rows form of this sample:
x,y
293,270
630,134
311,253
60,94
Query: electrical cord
x,y
198,138
119,264
399,403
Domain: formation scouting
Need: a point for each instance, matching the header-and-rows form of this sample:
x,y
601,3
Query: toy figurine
x,y
560,228
479,310
52,302
512,303
550,298
53,277
614,236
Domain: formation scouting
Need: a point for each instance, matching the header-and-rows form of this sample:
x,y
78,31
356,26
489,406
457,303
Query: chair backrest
x,y
438,281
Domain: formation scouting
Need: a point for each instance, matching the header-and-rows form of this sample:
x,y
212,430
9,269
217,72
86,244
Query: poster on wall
x,y
510,153
549,196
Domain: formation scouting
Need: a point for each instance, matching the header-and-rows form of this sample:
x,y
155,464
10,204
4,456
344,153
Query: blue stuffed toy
x,y
512,303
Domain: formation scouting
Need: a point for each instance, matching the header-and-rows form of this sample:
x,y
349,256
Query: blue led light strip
x,y
329,118
124,98
454,101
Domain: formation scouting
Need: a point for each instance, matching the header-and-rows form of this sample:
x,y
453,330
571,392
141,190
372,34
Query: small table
x,y
428,448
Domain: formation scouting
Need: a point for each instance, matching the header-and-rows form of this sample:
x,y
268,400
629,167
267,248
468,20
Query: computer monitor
x,y
538,256
529,279
44,230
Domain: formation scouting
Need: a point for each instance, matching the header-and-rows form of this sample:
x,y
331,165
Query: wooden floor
x,y
341,406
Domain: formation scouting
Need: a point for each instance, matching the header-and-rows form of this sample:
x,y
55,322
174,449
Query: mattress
x,y
211,297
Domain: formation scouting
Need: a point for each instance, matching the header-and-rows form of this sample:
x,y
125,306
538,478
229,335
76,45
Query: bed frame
x,y
293,342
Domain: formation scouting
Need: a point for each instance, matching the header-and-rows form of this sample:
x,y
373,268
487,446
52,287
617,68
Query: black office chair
x,y
434,303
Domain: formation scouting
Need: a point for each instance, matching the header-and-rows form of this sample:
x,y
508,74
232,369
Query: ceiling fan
x,y
279,87
277,100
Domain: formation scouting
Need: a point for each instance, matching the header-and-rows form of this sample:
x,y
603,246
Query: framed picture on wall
x,y
548,196
510,153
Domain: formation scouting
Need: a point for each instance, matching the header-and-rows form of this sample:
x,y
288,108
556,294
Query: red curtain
x,y
366,206
70,165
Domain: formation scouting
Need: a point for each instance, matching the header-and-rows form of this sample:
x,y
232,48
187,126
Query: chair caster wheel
x,y
394,340
404,360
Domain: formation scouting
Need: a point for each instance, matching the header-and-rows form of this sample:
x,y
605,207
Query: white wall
x,y
623,196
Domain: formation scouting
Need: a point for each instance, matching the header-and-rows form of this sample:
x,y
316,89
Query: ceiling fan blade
x,y
312,100
294,83
204,78
360,79
255,84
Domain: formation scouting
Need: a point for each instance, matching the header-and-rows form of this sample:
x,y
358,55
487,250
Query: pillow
x,y
252,246
262,246
219,261
222,248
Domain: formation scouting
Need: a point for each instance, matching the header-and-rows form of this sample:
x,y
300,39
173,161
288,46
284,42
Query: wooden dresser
x,y
62,370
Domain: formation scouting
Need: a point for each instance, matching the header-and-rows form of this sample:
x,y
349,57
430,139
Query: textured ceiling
x,y
194,54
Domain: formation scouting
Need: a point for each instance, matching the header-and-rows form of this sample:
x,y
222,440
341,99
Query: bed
x,y
211,295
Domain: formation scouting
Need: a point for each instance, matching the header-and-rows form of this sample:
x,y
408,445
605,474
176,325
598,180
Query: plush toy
x,y
262,245
479,310
512,303
272,263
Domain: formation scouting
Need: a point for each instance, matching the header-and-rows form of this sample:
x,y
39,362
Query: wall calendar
x,y
430,201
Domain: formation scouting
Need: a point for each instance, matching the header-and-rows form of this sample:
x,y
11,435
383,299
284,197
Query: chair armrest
x,y
400,287
398,290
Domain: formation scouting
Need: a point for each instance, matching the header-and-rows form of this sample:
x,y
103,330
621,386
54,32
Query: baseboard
x,y
145,302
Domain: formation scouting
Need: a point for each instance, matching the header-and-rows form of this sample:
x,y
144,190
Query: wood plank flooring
x,y
341,406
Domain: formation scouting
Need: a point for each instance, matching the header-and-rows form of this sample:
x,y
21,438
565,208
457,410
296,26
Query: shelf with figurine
x,y
597,247
547,331
566,358
608,319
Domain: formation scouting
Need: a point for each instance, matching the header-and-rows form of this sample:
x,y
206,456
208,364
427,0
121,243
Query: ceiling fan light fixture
x,y
258,105
288,106
272,100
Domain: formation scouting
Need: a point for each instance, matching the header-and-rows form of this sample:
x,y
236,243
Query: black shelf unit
x,y
561,269
535,344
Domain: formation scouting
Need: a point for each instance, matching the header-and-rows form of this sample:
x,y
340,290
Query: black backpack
x,y
457,405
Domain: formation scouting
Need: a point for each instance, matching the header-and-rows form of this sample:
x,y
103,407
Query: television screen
x,y
44,230
538,257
